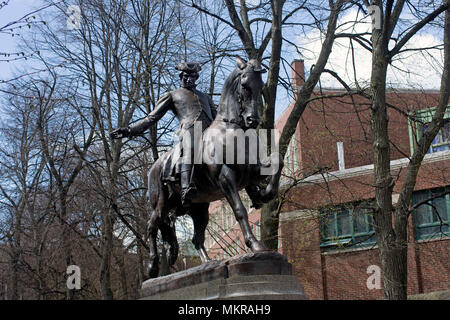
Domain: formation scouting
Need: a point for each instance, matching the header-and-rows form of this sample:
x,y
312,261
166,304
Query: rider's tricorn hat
x,y
188,67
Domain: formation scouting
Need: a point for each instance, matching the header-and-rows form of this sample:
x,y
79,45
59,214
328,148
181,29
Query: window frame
x,y
349,240
416,127
417,235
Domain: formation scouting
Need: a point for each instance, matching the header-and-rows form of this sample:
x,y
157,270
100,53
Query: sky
x,y
419,70
16,9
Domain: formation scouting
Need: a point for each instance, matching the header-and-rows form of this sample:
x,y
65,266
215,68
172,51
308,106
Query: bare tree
x,y
391,221
392,238
390,35
63,149
272,17
21,175
122,63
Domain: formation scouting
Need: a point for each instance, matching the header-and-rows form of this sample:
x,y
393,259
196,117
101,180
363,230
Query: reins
x,y
239,122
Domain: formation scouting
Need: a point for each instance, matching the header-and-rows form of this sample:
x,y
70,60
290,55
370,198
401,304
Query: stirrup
x,y
187,194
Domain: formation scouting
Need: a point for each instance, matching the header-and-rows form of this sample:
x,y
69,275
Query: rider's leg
x,y
188,189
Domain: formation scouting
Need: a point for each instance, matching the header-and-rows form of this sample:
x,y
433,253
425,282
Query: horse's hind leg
x,y
169,236
200,217
152,229
157,210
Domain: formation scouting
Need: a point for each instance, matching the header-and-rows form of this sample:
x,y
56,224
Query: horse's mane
x,y
229,98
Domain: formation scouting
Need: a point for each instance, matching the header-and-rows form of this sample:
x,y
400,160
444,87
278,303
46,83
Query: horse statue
x,y
219,175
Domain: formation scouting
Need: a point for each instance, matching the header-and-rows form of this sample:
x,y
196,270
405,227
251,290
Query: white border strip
x,y
368,169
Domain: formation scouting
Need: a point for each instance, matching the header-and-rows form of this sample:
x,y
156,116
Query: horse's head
x,y
251,87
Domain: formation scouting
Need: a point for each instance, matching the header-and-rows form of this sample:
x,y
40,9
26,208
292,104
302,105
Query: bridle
x,y
240,90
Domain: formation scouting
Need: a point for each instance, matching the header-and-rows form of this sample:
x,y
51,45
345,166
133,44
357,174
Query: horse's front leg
x,y
275,168
254,193
259,194
228,183
200,217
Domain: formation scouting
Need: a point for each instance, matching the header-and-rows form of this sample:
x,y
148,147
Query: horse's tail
x,y
155,191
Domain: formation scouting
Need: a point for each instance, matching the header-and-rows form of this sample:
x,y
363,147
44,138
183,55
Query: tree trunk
x,y
123,275
392,246
65,239
164,268
269,224
140,251
393,254
14,288
269,219
105,267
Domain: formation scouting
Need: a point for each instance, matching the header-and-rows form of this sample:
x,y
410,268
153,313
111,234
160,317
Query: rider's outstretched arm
x,y
162,106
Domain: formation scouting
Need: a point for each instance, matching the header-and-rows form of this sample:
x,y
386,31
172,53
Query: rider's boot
x,y
188,189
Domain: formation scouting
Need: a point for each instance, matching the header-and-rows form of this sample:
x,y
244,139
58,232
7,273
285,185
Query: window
x,y
222,221
245,201
228,217
431,218
295,163
422,119
291,162
287,160
347,226
442,140
256,230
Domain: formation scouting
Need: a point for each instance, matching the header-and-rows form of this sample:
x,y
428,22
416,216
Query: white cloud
x,y
412,69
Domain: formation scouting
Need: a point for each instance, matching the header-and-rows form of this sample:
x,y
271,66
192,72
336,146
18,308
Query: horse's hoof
x,y
257,205
259,247
173,256
153,271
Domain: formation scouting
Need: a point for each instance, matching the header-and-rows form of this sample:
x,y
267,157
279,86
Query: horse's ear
x,y
241,63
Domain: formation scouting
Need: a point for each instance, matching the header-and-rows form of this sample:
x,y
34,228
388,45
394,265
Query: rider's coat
x,y
187,105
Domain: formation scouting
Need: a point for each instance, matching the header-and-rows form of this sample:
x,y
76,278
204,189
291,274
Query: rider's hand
x,y
120,133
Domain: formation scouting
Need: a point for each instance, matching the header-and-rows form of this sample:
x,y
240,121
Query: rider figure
x,y
189,105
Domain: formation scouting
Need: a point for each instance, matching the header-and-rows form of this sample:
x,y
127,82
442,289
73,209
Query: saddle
x,y
171,165
171,168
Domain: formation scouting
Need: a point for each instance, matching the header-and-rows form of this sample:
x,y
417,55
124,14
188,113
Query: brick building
x,y
326,227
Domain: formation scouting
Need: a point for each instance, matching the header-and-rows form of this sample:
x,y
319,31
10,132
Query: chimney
x,y
298,74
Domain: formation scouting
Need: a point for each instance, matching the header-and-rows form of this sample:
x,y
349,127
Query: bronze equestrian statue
x,y
181,184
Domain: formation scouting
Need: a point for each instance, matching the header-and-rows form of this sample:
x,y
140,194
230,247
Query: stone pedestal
x,y
252,276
